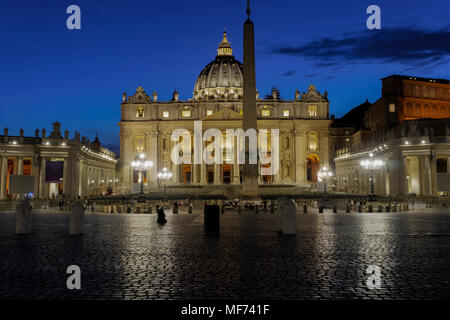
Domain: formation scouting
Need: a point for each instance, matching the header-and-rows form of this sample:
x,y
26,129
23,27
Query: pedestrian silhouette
x,y
161,215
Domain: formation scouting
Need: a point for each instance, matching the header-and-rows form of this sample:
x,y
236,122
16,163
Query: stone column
x,y
67,177
300,154
176,174
194,178
35,172
277,176
42,184
75,176
217,173
4,165
20,166
152,155
84,180
125,155
236,171
433,177
324,148
203,174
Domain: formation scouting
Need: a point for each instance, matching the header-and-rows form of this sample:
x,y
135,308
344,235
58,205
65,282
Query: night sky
x,y
77,77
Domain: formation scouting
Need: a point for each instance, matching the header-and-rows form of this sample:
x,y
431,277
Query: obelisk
x,y
250,171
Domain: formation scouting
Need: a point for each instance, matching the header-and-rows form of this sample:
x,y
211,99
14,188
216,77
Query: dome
x,y
222,78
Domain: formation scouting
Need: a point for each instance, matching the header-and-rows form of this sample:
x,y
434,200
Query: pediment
x,y
224,114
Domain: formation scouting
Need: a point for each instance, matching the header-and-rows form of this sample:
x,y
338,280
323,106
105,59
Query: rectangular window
x,y
441,165
312,111
265,113
165,114
286,113
27,167
391,107
139,112
209,112
186,113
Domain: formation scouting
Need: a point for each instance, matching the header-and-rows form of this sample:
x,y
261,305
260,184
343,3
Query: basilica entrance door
x,y
313,166
210,174
187,173
226,173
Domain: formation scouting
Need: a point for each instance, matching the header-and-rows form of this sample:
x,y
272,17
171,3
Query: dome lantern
x,y
224,47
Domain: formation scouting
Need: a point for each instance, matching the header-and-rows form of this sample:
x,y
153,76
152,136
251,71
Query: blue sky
x,y
77,77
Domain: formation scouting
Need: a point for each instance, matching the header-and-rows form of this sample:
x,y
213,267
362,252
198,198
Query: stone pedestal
x,y
211,218
76,220
23,217
286,216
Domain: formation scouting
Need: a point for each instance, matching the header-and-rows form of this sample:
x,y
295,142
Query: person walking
x,y
161,215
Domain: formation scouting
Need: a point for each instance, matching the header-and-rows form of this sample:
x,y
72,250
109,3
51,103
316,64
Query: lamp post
x,y
139,163
371,164
323,174
164,175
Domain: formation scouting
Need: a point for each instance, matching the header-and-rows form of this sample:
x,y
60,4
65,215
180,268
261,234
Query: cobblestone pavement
x,y
128,256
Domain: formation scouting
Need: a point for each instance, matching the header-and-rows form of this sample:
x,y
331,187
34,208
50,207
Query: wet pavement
x,y
129,256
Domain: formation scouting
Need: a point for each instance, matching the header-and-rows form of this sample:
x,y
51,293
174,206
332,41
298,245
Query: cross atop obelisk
x,y
250,171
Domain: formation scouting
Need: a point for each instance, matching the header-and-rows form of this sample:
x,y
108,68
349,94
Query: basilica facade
x,y
147,124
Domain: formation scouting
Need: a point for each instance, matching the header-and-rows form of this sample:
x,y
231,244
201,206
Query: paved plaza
x,y
129,256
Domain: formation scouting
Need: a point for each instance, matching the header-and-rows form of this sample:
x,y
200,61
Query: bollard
x,y
334,208
129,210
388,208
23,217
286,212
175,209
320,209
272,206
211,219
239,208
347,208
190,208
76,219
370,207
150,209
305,208
380,208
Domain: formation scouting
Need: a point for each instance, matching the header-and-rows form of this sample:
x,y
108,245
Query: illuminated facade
x,y
147,124
60,166
408,128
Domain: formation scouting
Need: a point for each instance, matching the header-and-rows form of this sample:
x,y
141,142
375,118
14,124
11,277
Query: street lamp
x,y
164,175
139,163
371,164
323,174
